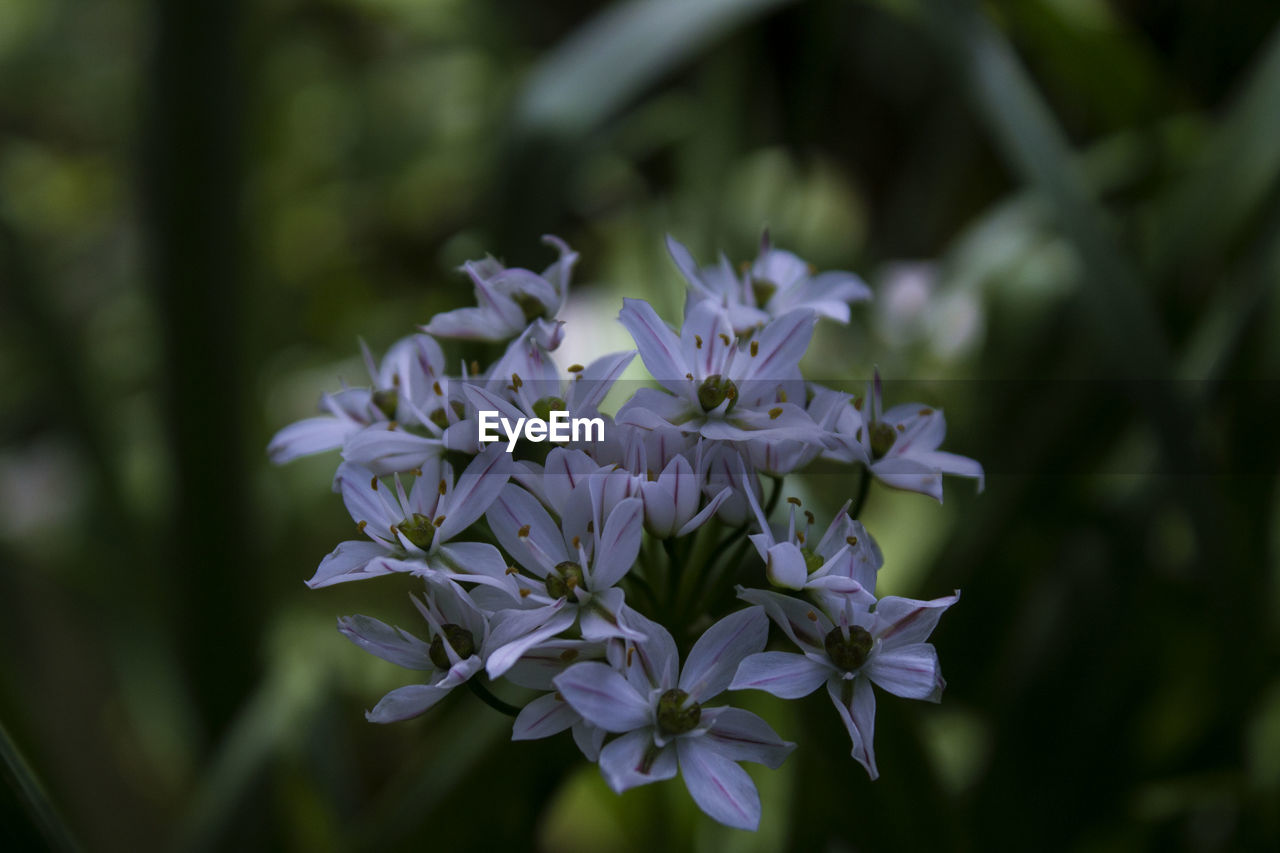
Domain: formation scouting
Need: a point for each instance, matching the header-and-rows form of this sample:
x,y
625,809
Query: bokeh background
x,y
1069,211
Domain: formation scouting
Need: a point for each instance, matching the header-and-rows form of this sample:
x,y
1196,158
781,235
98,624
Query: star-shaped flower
x,y
659,712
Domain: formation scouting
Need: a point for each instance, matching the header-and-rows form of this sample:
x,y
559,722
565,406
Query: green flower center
x,y
419,530
763,290
676,714
564,579
459,638
714,390
545,406
440,417
882,438
849,652
387,402
530,305
812,561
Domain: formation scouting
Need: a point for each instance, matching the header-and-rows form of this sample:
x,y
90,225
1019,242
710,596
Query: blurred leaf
x,y
1237,170
31,794
619,52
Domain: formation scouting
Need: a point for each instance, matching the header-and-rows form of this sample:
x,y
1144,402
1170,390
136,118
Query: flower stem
x,y
774,496
492,701
864,486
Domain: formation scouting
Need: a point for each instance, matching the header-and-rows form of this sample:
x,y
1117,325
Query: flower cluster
x,y
610,583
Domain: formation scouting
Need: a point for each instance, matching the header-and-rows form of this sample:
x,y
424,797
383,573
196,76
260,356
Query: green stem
x,y
864,486
673,570
774,496
492,701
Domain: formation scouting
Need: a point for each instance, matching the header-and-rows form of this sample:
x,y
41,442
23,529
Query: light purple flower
x,y
573,567
657,712
848,649
452,655
411,531
777,283
842,563
902,444
716,385
405,382
549,714
508,300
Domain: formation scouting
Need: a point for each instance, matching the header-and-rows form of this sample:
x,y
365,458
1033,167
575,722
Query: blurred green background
x,y
1070,213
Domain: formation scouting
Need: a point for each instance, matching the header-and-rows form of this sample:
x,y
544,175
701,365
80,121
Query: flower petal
x,y
543,717
908,671
785,566
658,345
903,621
714,659
404,703
742,736
481,482
312,435
805,624
517,631
357,560
782,344
634,759
619,544
382,640
721,788
784,674
539,547
857,706
603,697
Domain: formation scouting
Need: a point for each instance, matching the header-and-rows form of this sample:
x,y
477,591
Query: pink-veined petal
x,y
909,671
633,760
857,706
382,640
658,346
715,657
543,717
603,697
903,621
484,477
619,544
742,736
721,788
784,674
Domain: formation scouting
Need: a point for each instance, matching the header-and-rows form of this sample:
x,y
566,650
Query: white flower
x,y
404,384
777,283
716,385
508,300
411,532
573,567
886,646
902,444
662,723
453,654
